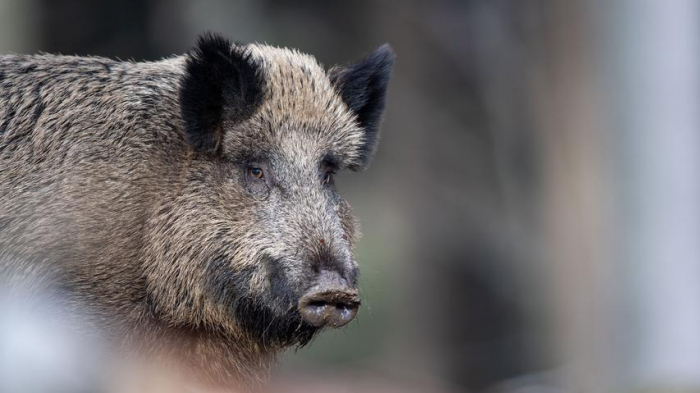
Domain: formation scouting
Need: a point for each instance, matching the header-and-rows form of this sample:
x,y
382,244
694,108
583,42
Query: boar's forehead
x,y
301,115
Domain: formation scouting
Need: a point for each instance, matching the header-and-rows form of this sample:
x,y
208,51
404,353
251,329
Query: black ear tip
x,y
211,43
387,52
383,57
208,37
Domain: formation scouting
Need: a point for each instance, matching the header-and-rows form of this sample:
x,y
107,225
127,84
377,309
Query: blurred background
x,y
532,218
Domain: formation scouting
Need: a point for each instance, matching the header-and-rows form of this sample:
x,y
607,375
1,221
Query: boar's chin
x,y
271,328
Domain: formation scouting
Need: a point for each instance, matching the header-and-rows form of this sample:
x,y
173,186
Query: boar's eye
x,y
258,178
256,173
328,177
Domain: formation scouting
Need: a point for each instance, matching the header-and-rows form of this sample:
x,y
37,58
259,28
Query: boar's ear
x,y
362,86
221,85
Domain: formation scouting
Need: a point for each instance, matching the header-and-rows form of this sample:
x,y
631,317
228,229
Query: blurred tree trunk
x,y
651,76
576,203
623,195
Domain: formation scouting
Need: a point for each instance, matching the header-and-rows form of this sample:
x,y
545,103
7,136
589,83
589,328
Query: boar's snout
x,y
331,302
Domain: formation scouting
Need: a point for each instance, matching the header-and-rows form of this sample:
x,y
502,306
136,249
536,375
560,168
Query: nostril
x,y
317,303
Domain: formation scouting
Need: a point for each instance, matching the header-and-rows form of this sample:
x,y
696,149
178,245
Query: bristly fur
x,y
128,185
220,83
363,88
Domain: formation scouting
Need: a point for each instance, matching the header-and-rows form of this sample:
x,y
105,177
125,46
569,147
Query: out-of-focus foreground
x,y
532,218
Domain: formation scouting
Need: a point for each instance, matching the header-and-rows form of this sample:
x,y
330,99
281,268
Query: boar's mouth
x,y
270,317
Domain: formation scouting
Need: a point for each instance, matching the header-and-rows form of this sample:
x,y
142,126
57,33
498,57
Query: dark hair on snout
x,y
271,317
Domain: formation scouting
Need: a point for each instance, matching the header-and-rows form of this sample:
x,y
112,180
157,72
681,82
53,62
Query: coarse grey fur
x,y
105,191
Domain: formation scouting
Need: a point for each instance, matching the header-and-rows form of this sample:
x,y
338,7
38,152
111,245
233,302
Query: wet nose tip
x,y
329,308
330,303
